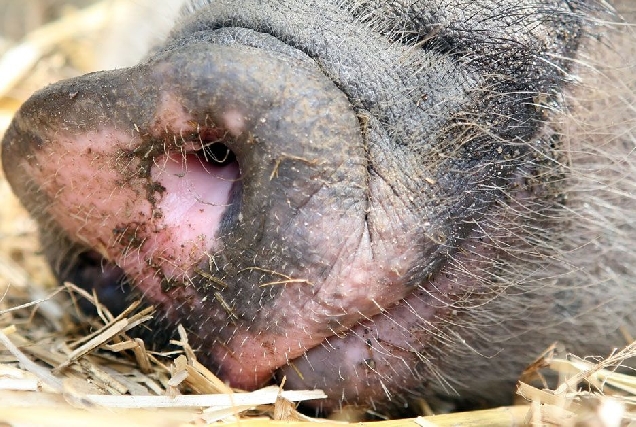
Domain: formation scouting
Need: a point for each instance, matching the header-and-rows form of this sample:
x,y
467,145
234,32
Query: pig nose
x,y
153,165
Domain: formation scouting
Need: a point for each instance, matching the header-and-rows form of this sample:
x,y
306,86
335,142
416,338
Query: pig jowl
x,y
317,200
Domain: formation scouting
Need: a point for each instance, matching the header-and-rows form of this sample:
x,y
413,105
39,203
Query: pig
x,y
389,201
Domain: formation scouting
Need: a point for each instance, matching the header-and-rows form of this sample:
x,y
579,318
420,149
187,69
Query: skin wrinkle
x,y
228,12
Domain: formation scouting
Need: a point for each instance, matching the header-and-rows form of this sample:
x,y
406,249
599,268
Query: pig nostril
x,y
217,154
95,274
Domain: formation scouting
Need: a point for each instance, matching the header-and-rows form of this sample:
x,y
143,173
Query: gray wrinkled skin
x,y
420,196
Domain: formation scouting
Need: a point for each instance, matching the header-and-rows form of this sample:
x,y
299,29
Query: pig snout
x,y
375,201
170,167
